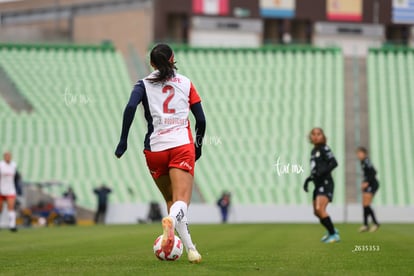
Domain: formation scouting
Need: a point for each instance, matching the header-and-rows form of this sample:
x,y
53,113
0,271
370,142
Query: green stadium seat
x,y
73,142
259,108
390,103
256,106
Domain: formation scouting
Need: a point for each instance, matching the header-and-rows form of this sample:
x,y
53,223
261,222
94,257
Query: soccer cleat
x,y
193,256
363,228
373,228
326,236
333,238
168,235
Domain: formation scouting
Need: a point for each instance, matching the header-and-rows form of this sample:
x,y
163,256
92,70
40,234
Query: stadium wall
x,y
129,213
47,30
125,23
123,27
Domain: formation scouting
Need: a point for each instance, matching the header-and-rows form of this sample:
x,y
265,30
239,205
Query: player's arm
x,y
17,183
200,126
329,165
136,97
306,183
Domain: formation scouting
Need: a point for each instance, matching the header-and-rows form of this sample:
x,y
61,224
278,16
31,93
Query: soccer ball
x,y
175,253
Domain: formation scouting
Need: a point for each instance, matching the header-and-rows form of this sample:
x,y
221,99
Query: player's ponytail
x,y
162,58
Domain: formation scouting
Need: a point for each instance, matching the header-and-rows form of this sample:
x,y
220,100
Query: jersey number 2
x,y
168,89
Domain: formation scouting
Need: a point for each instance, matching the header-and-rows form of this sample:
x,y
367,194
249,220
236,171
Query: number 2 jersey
x,y
166,108
7,178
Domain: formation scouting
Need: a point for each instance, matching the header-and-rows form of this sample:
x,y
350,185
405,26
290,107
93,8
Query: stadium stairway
x,y
11,95
356,123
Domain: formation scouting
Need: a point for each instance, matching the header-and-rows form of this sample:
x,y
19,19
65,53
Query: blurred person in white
x,y
8,177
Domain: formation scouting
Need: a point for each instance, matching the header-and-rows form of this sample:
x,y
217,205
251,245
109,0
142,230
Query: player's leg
x,y
182,186
11,202
157,163
224,214
367,200
365,208
158,166
96,217
316,213
100,215
320,205
103,213
164,185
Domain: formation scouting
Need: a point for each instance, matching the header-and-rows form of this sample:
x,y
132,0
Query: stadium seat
x,y
70,138
390,103
259,110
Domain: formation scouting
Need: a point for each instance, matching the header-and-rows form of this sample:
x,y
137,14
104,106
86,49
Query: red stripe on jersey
x,y
194,97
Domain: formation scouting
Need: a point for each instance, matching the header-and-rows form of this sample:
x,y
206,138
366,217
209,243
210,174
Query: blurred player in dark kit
x,y
323,162
369,187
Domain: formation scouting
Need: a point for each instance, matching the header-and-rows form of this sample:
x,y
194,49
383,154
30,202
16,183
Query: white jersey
x,y
168,106
7,175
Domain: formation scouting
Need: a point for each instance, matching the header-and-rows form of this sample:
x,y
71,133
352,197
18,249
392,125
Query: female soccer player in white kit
x,y
8,172
170,151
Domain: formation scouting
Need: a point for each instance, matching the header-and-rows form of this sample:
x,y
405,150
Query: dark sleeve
x,y
200,119
17,183
136,97
330,163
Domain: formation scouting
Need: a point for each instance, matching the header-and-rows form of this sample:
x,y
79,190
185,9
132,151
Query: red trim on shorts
x,y
6,197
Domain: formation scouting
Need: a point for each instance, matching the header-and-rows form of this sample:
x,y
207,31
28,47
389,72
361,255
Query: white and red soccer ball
x,y
175,254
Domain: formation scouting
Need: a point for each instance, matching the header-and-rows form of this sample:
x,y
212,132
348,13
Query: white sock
x,y
178,212
12,219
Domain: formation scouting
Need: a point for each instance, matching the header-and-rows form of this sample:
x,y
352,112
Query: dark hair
x,y
362,149
323,134
162,58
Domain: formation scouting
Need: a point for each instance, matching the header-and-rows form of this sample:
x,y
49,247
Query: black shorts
x,y
326,188
372,188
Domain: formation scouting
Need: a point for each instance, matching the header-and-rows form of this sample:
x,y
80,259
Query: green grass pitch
x,y
252,249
